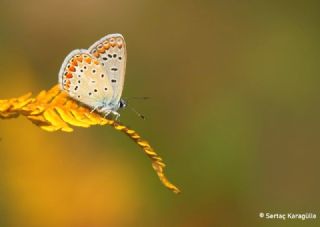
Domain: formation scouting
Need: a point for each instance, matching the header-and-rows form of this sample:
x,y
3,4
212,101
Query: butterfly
x,y
95,76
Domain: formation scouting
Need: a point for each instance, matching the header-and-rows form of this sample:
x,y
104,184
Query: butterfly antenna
x,y
139,114
126,103
141,98
136,112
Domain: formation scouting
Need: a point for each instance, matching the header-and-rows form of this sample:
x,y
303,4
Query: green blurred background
x,y
234,112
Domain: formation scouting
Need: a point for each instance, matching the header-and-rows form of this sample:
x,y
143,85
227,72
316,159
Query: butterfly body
x,y
95,76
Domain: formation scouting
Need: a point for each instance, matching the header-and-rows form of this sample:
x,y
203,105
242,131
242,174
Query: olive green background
x,y
234,112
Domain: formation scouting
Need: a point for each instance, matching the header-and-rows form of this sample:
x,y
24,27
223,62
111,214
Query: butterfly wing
x,y
111,52
85,79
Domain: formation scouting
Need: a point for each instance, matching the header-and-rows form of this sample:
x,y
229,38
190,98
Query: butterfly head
x,y
122,104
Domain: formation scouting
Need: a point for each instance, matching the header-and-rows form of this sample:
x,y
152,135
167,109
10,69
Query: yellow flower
x,y
54,110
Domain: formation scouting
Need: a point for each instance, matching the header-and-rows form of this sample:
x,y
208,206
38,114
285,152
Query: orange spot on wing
x,y
72,68
101,49
106,45
74,62
67,85
120,44
112,42
69,75
88,60
96,54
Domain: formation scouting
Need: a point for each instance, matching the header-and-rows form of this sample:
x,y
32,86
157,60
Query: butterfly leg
x,y
116,114
106,113
94,109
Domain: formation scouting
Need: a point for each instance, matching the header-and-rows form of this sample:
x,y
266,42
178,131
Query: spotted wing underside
x,y
111,52
85,79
